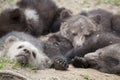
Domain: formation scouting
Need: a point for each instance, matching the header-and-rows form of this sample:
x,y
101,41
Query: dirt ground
x,y
73,73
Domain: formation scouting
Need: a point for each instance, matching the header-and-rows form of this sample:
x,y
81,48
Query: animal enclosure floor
x,y
72,73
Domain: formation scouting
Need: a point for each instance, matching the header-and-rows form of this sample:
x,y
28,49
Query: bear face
x,y
60,42
56,45
25,53
77,28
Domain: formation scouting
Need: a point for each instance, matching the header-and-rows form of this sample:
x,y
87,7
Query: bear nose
x,y
26,51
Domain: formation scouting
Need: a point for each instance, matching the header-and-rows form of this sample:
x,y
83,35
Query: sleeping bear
x,y
60,16
32,16
56,47
26,49
86,37
104,19
101,17
104,59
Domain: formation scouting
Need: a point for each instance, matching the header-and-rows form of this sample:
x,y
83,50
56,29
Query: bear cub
x,y
86,37
26,49
30,16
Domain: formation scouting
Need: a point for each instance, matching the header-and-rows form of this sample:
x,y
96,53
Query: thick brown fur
x,y
56,47
116,24
104,19
104,59
31,16
101,17
61,15
87,36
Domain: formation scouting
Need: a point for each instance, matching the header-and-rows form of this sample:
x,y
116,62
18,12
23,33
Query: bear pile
x,y
89,39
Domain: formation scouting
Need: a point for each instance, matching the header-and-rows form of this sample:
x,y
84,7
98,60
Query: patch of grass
x,y
15,65
12,1
6,63
115,2
86,4
28,66
86,77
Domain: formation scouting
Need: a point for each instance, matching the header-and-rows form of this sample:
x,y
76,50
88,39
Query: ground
x,y
73,73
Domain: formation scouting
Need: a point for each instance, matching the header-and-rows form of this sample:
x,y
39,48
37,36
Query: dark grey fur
x,y
15,20
61,15
56,47
104,59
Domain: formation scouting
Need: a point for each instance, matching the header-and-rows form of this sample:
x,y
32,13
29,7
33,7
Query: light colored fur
x,y
40,62
78,41
31,14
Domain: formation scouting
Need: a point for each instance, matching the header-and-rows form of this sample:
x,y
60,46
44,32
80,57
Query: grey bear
x,y
26,49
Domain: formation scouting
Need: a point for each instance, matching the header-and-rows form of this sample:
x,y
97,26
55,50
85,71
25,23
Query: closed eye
x,y
21,46
34,55
74,34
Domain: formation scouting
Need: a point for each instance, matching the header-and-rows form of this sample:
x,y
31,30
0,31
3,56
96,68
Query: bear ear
x,y
84,13
10,40
97,18
16,15
65,14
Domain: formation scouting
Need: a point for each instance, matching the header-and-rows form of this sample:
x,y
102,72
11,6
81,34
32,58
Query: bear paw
x,y
60,64
79,62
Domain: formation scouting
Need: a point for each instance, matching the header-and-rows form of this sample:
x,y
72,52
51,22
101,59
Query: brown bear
x,y
104,59
61,15
106,20
32,16
101,17
85,36
56,47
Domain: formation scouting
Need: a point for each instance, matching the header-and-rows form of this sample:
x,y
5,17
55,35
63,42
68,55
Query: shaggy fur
x,y
86,37
104,59
27,49
32,16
